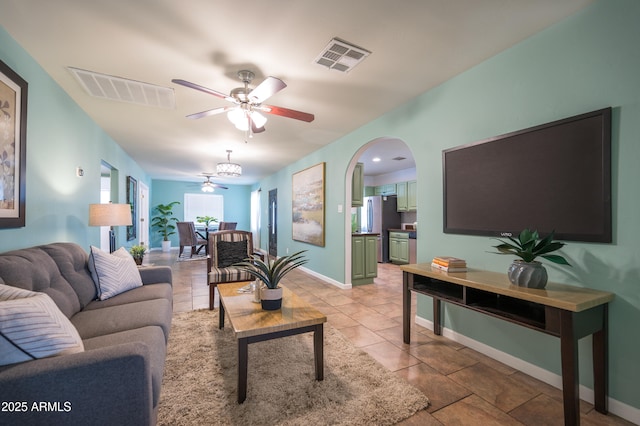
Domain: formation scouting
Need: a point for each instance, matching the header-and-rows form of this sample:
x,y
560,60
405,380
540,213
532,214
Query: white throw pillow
x,y
32,326
113,273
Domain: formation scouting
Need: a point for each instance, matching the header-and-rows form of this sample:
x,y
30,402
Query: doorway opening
x,y
385,161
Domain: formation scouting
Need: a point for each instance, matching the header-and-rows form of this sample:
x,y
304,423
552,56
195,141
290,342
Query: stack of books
x,y
449,264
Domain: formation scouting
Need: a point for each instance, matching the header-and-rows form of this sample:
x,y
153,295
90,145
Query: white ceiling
x,y
415,45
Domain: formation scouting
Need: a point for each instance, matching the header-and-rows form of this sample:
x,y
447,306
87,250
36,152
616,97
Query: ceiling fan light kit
x,y
246,114
207,185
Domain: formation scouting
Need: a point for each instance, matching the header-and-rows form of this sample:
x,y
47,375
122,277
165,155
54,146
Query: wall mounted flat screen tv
x,y
556,176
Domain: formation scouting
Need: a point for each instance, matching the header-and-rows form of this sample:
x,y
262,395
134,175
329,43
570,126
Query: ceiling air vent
x,y
121,89
341,56
399,158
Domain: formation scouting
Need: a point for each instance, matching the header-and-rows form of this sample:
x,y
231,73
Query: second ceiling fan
x,y
245,114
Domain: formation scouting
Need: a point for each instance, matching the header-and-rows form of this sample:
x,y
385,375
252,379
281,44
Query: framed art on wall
x,y
13,135
308,205
132,196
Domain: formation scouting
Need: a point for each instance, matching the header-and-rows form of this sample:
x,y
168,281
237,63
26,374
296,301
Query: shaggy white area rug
x,y
199,386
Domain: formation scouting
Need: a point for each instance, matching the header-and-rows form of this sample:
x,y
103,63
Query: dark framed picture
x,y
13,144
132,200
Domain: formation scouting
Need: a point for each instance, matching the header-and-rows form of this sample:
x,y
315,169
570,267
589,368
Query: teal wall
x,y
237,204
61,137
589,61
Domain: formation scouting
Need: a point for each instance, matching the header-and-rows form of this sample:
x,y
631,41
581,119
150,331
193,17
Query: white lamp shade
x,y
110,215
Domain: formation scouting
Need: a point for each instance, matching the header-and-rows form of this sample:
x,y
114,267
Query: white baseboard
x,y
616,407
326,279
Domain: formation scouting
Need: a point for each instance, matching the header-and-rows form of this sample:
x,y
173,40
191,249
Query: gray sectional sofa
x,y
116,379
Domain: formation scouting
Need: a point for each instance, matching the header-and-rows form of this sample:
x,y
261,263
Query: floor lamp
x,y
110,215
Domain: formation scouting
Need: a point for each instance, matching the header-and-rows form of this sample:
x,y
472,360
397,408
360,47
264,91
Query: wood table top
x,y
562,296
248,319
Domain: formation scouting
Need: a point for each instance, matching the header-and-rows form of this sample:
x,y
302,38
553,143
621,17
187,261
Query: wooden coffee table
x,y
251,324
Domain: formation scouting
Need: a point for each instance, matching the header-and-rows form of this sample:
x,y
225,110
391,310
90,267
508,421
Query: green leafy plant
x,y
529,246
137,251
271,271
206,220
164,221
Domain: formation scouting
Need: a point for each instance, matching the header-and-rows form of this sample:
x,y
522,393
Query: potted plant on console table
x,y
528,272
270,272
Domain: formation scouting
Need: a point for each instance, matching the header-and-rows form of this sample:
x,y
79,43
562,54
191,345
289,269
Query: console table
x,y
564,311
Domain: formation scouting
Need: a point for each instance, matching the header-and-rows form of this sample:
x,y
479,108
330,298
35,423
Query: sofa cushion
x,y
153,337
113,273
32,327
113,319
146,292
33,269
72,263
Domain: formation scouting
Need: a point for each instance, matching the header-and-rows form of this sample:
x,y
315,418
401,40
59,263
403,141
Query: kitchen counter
x,y
412,234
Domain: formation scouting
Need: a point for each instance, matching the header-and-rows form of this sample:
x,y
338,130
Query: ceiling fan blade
x,y
207,113
290,113
255,129
266,89
202,89
217,185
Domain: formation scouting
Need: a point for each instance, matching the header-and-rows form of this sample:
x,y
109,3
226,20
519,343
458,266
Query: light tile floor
x,y
464,386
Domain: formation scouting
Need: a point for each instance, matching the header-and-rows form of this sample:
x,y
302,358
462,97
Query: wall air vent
x,y
341,56
121,89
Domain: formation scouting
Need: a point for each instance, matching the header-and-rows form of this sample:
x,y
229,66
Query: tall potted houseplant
x,y
270,272
528,272
164,223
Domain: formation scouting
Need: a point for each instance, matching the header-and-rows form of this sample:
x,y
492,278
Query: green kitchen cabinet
x,y
357,186
399,247
407,196
364,259
412,196
388,189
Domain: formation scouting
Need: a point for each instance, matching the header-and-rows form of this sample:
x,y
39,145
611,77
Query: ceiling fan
x,y
245,114
207,185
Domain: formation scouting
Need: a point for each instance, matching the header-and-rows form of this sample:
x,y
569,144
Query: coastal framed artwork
x,y
13,141
308,205
132,196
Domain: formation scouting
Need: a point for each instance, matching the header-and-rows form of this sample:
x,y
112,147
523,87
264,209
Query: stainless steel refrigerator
x,y
379,214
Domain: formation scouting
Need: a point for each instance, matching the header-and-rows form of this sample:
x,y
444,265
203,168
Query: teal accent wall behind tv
x,y
589,61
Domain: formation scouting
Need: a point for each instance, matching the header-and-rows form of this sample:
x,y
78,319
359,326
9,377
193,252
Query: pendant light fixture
x,y
228,169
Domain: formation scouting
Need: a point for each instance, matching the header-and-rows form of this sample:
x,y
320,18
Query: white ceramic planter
x,y
271,299
166,246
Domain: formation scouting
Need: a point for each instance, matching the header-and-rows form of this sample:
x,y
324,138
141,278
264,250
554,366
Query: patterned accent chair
x,y
225,249
190,238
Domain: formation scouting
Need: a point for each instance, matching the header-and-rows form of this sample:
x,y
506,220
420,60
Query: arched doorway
x,y
385,161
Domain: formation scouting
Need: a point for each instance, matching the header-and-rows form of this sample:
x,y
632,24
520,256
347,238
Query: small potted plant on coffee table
x,y
270,272
528,272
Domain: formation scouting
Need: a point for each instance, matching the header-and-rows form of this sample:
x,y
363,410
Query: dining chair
x,y
190,238
226,226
